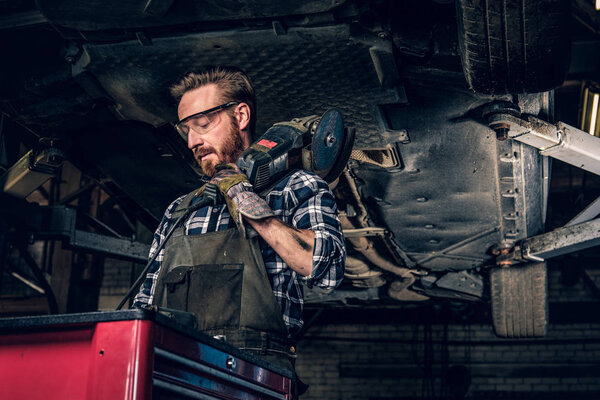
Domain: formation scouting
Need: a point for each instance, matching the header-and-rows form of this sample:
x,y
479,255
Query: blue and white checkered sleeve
x,y
316,210
145,296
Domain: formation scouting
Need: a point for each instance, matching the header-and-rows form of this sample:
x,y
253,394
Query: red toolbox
x,y
133,354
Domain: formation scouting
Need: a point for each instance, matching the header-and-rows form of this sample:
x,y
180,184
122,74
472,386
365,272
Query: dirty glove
x,y
241,200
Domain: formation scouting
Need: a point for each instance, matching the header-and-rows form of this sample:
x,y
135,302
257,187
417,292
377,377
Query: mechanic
x,y
299,238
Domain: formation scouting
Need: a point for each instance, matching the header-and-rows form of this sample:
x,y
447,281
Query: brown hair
x,y
233,83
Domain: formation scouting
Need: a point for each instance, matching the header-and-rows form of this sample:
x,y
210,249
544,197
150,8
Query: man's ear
x,y
243,116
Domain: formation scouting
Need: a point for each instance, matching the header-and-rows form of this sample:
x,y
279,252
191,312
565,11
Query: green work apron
x,y
221,278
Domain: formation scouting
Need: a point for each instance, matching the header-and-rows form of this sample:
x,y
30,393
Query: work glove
x,y
239,196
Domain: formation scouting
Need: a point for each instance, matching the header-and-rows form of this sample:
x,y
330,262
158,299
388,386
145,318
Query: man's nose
x,y
194,140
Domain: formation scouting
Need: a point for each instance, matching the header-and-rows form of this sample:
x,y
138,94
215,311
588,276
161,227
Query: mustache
x,y
201,152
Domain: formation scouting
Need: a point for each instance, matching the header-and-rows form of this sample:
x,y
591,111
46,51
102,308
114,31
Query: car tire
x,y
519,300
513,46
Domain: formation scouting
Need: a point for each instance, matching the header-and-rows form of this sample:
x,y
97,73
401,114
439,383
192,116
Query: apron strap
x,y
185,204
181,209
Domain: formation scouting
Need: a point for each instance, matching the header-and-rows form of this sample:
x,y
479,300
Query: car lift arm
x,y
560,141
565,143
552,244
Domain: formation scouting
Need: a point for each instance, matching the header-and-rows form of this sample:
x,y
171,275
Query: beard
x,y
229,151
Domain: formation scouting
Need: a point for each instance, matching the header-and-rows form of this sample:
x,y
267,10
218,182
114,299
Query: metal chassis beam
x,y
109,246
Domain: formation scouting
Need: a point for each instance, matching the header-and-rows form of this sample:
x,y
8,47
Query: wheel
x,y
519,300
513,46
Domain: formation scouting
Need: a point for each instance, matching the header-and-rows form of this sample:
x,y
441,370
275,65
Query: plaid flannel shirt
x,y
302,200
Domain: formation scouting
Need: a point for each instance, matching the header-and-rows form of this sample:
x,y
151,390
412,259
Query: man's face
x,y
223,142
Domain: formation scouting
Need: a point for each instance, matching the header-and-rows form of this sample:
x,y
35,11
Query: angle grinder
x,y
318,144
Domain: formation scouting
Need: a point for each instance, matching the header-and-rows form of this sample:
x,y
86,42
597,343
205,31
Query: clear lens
x,y
182,130
200,124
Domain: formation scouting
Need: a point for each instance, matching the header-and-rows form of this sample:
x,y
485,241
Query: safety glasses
x,y
203,121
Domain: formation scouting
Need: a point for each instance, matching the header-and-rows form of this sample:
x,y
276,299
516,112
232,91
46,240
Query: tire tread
x,y
505,51
519,300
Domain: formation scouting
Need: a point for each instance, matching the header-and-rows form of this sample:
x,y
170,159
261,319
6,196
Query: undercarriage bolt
x,y
501,131
502,134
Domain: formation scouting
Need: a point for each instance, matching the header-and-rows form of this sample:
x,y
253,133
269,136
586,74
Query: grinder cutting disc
x,y
328,142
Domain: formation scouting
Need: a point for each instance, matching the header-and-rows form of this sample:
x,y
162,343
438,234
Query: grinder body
x,y
278,151
318,144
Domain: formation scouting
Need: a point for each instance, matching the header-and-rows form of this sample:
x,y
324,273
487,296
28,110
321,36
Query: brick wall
x,y
115,283
559,289
381,361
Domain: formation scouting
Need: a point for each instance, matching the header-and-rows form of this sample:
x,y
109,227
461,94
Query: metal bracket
x,y
462,285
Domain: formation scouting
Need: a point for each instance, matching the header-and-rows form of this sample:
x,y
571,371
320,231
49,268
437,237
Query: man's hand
x,y
294,246
241,200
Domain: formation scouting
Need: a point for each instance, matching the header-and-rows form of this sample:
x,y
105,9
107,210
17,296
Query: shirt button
x,y
215,210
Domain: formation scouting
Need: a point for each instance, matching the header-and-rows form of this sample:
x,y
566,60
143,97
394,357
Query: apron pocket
x,y
176,285
211,291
